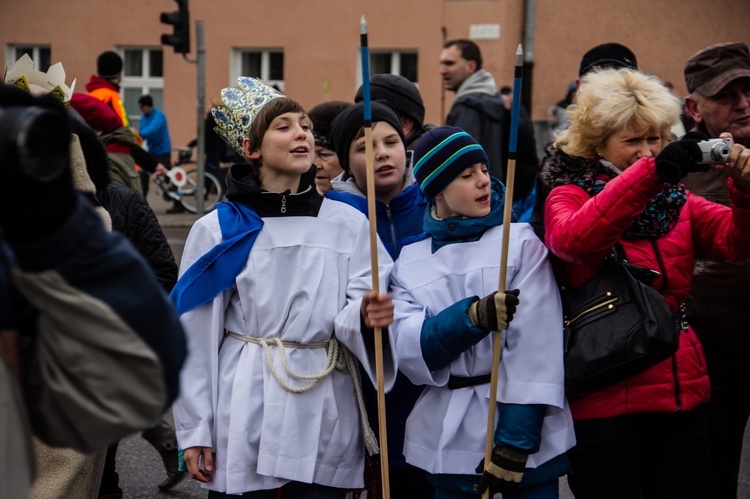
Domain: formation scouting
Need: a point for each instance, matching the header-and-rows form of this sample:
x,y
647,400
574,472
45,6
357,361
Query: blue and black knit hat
x,y
441,155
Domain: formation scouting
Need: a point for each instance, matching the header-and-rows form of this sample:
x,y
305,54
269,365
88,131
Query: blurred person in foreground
x,y
91,348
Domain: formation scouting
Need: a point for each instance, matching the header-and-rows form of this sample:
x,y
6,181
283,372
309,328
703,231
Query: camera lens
x,y
720,152
36,140
42,145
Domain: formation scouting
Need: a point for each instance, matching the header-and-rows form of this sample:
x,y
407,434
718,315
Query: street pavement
x,y
139,465
160,206
140,469
174,225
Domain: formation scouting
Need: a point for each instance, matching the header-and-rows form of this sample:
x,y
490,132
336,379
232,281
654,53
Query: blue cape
x,y
217,270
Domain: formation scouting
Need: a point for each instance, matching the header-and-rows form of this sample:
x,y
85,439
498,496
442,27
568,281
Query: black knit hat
x,y
608,55
350,121
108,64
322,116
441,155
402,94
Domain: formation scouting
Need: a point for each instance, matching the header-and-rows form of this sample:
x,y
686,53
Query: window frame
x,y
235,64
10,54
395,62
145,83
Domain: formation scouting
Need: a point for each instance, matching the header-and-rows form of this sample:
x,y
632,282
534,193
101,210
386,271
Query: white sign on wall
x,y
484,31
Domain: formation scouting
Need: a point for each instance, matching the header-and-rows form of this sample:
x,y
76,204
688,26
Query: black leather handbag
x,y
616,325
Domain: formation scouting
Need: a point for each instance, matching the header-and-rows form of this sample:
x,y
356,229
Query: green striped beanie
x,y
441,155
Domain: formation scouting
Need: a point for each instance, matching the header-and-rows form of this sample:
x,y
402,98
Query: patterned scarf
x,y
656,219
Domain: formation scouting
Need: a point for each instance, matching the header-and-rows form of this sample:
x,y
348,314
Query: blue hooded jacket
x,y
399,222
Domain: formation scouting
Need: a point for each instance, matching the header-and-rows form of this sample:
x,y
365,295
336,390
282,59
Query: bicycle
x,y
179,185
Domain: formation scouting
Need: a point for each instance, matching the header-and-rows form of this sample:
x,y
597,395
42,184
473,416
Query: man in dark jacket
x,y
718,79
479,110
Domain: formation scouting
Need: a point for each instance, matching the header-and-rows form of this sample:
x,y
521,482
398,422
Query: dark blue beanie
x,y
441,155
349,122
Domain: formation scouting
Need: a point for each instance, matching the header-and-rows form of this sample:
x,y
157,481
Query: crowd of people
x,y
279,342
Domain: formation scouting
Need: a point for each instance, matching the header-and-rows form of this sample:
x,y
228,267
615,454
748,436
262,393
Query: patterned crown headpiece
x,y
24,76
241,105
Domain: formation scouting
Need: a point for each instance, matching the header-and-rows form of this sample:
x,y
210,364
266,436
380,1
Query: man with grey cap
x,y
718,79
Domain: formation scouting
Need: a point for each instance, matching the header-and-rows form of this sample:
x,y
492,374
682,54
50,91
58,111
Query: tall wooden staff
x,y
372,215
508,210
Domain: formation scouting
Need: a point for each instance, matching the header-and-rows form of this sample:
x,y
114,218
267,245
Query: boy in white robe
x,y
275,298
442,329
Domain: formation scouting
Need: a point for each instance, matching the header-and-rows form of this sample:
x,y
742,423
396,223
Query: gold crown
x,y
241,105
23,75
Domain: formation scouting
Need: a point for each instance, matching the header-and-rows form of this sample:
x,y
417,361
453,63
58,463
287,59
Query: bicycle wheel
x,y
212,192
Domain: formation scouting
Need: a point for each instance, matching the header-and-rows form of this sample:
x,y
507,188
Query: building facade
x,y
311,49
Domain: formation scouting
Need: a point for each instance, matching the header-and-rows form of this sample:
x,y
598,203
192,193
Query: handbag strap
x,y
615,255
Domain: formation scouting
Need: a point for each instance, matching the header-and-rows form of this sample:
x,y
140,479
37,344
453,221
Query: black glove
x,y
36,189
505,471
681,157
495,311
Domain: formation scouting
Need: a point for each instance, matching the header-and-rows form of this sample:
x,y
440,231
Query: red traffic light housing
x,y
180,20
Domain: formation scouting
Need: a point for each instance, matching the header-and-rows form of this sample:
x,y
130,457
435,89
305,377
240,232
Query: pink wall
x,y
662,34
320,39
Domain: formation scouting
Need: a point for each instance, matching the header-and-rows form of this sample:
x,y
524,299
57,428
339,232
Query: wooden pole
x,y
372,216
508,211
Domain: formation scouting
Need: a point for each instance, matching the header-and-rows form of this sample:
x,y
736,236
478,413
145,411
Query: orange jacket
x,y
109,93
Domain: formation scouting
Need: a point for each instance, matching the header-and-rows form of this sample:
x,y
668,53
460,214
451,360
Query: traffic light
x,y
180,20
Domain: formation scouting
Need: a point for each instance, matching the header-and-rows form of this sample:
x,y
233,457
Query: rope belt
x,y
337,357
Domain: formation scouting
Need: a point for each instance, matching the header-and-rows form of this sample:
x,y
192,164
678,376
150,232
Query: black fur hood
x,y
559,168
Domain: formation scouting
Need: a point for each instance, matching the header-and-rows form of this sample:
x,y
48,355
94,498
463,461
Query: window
x,y
398,62
41,54
142,73
266,64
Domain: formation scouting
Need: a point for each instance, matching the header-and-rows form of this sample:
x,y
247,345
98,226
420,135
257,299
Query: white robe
x,y
303,281
446,430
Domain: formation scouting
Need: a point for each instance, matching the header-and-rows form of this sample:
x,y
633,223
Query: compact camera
x,y
35,141
714,151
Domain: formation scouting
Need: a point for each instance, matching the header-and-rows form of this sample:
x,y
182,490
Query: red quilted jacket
x,y
581,229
